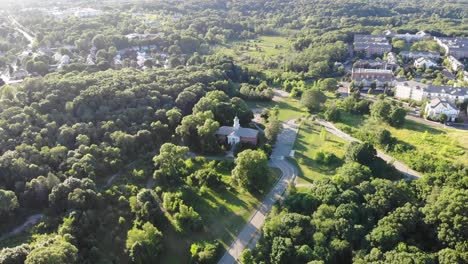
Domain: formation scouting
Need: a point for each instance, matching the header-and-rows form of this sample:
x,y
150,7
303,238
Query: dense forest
x,y
65,136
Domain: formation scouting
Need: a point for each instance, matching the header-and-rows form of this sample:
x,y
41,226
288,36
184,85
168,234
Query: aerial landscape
x,y
234,131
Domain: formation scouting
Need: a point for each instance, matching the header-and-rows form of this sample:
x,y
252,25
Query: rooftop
x,y
241,132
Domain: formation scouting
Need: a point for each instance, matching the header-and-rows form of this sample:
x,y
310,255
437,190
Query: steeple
x,y
236,125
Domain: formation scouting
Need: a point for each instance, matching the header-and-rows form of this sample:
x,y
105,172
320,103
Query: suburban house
x,y
236,133
419,54
417,91
424,62
421,35
457,47
436,107
367,76
371,45
455,64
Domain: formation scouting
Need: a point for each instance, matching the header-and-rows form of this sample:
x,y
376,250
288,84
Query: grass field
x,y
224,213
447,143
308,143
265,50
289,107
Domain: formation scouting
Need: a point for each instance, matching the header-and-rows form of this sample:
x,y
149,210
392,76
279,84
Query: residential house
x,y
419,54
457,47
424,62
237,134
455,65
371,45
382,78
436,107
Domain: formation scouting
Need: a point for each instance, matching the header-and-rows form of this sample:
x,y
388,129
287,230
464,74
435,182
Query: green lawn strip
x,y
307,144
224,213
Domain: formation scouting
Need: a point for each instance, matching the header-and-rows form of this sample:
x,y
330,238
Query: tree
x,y
328,84
272,130
54,250
332,114
144,245
363,153
312,99
8,203
15,255
170,163
380,110
351,174
99,41
205,252
246,257
447,209
397,117
251,170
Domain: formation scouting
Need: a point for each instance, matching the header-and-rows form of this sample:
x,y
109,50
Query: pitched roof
x,y
437,101
241,132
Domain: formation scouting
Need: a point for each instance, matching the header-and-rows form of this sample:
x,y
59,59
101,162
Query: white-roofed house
x,y
436,107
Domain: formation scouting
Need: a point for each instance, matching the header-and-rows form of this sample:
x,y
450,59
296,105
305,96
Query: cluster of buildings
x,y
457,47
372,45
378,73
77,12
441,99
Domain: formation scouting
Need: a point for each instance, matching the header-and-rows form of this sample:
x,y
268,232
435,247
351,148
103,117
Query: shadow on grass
x,y
414,126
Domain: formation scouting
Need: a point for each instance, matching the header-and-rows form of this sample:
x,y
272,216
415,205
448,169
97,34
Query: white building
x,y
416,91
436,107
428,63
455,64
410,90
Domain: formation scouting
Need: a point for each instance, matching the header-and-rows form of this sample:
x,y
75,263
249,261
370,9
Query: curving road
x,y
410,173
250,234
31,221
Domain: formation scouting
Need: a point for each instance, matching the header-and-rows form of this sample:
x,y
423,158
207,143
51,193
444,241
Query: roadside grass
x,y
307,144
224,213
447,143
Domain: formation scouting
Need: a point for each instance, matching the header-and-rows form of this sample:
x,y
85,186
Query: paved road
x,y
285,140
31,221
251,232
410,174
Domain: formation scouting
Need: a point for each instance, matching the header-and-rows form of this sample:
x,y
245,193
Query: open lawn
x,y
224,213
308,143
289,107
447,143
264,51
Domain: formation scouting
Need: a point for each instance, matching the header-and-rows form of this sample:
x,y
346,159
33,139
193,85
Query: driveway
x,y
249,235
